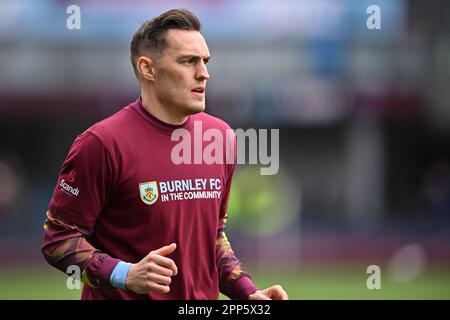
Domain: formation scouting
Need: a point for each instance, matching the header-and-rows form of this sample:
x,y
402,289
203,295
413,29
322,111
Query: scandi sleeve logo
x,y
66,187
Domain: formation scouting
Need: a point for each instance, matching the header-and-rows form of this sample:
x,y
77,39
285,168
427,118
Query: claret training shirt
x,y
120,179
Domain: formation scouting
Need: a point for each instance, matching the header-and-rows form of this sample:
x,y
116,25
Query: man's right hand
x,y
153,273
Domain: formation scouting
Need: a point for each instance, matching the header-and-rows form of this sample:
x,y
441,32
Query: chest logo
x,y
149,192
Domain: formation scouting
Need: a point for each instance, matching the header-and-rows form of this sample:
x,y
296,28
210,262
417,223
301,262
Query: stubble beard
x,y
194,109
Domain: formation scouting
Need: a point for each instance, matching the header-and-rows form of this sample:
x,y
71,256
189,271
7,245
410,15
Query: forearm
x,y
234,281
65,244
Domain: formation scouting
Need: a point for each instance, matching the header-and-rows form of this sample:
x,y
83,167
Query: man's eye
x,y
190,61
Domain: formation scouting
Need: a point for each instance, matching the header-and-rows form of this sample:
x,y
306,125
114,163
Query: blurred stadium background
x,y
364,119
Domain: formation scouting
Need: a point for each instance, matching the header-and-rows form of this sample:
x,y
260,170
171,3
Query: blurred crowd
x,y
364,115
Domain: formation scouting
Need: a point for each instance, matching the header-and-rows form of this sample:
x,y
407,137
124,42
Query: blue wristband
x,y
119,274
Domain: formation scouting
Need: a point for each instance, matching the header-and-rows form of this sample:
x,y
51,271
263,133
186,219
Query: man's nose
x,y
202,72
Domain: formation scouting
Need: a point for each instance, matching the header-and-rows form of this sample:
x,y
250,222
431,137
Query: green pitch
x,y
43,282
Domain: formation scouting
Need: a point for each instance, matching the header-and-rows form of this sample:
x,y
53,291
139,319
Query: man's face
x,y
181,74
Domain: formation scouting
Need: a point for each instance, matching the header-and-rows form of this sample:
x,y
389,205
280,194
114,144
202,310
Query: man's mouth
x,y
198,90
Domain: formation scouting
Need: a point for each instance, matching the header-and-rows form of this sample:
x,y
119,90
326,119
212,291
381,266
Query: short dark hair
x,y
151,36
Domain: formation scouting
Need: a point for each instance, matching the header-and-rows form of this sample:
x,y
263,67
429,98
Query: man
x,y
115,212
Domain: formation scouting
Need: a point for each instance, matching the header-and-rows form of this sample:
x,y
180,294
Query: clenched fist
x,y
153,273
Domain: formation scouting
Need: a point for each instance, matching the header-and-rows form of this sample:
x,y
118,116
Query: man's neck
x,y
156,109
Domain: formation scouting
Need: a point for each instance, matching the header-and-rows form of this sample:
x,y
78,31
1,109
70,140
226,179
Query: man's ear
x,y
146,68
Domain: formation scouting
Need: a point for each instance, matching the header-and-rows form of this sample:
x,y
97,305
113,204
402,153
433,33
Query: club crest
x,y
149,192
